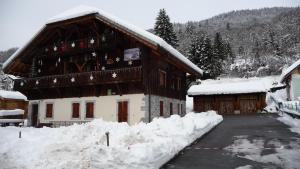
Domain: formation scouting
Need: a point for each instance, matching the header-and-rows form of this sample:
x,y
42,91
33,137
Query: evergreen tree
x,y
229,55
164,28
218,55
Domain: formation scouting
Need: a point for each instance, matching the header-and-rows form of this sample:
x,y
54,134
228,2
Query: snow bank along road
x,y
258,142
142,146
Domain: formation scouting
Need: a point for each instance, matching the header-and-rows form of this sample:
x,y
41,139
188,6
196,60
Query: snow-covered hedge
x,y
84,146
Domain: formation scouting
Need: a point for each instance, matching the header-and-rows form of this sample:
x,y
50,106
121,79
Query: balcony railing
x,y
121,75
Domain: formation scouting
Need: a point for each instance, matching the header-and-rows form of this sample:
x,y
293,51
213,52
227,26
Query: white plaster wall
x,y
105,108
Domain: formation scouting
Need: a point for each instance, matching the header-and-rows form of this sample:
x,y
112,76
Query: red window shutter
x,y
76,108
81,44
49,110
161,108
171,108
90,110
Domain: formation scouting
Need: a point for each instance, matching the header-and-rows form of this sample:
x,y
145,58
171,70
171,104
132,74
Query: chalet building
x,y
229,96
85,64
291,78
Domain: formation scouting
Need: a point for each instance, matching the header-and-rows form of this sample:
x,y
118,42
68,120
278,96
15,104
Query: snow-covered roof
x,y
286,72
149,37
232,86
12,95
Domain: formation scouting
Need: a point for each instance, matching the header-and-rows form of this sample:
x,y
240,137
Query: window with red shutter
x,y
162,78
75,110
171,108
49,110
89,110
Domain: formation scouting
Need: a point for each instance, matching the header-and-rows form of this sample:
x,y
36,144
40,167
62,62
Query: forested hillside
x,y
263,41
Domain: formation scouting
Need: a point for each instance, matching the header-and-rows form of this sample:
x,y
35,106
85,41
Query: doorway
x,y
34,114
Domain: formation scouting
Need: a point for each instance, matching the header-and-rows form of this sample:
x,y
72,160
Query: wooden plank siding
x,y
230,104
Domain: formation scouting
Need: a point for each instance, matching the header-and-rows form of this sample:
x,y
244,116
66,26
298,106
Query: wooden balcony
x,y
123,75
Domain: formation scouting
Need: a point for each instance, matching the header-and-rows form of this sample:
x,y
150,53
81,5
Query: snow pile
x,y
272,100
142,146
11,112
12,95
292,122
232,86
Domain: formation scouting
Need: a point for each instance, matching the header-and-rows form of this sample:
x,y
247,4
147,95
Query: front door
x,y
123,111
34,114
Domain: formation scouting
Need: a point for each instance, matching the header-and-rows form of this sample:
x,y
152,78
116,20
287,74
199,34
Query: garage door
x,y
226,104
248,106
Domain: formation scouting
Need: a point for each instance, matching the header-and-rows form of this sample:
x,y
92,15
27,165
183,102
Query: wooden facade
x,y
249,103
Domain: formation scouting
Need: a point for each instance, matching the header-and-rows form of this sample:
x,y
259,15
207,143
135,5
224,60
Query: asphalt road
x,y
257,139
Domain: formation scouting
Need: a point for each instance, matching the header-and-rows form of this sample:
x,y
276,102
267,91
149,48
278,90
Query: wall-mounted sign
x,y
132,54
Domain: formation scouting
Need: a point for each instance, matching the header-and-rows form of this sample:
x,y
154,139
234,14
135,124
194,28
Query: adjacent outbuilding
x,y
13,107
291,77
230,96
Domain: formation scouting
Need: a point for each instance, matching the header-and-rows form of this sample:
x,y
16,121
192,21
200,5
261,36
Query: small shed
x,y
291,77
13,107
230,96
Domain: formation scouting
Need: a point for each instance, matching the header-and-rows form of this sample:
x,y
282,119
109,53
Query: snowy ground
x,y
285,156
142,146
294,123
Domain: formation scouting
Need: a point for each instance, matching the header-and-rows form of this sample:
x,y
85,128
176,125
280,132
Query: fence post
x,y
107,138
20,134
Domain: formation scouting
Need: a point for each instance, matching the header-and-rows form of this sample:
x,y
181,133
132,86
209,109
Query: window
x,y
171,108
89,110
173,84
178,83
161,108
75,110
49,110
162,78
181,109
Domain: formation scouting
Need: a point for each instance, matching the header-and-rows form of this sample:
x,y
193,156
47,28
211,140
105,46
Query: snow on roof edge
x,y
289,70
83,10
12,95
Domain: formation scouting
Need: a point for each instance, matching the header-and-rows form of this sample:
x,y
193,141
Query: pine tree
x,y
218,55
164,28
229,55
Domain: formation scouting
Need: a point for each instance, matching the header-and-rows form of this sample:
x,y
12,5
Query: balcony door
x,y
123,111
34,115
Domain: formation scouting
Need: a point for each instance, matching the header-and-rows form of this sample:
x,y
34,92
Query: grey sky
x,y
20,19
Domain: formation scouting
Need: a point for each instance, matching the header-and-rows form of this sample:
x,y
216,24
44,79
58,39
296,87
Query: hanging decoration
x,y
22,84
55,48
103,38
58,59
91,77
73,45
114,75
92,41
130,62
105,57
94,54
109,61
37,82
55,80
72,79
103,68
39,70
46,49
56,64
117,59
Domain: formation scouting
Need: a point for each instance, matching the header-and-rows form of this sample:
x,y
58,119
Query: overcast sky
x,y
20,19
